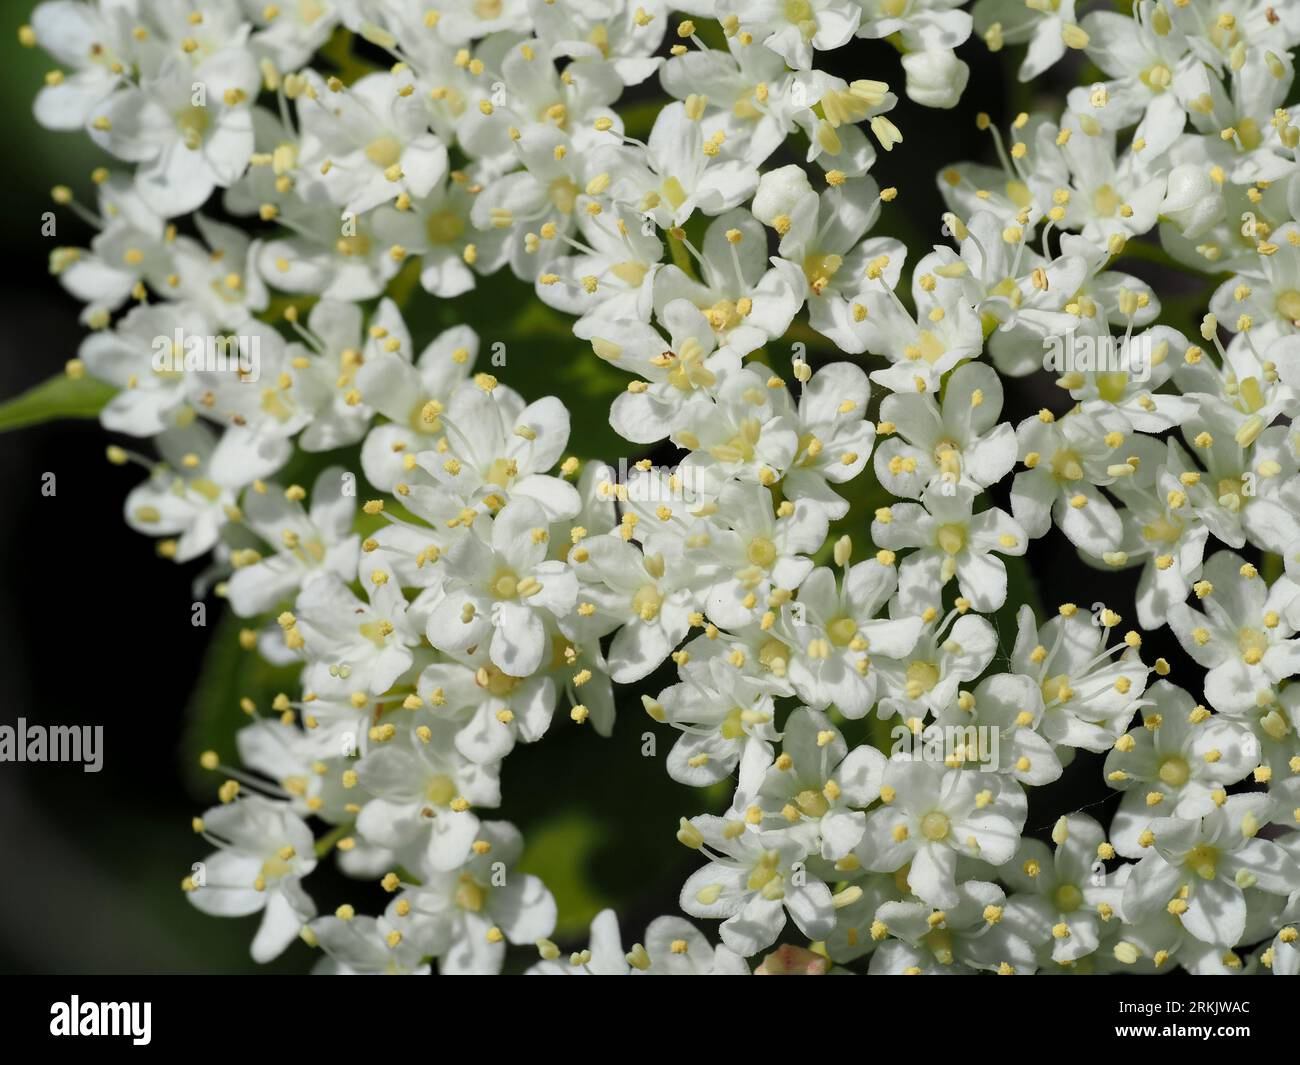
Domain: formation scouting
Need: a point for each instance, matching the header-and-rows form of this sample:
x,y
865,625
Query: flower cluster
x,y
878,742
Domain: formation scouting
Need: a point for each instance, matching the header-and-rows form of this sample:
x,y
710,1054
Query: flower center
x,y
820,269
1288,305
1068,898
1174,771
384,151
951,538
469,895
440,790
564,194
646,602
1203,860
630,272
921,678
494,682
1057,688
192,123
1111,385
761,551
1252,643
813,803
800,13
1163,530
934,826
722,316
1066,465
1105,201
841,631
444,227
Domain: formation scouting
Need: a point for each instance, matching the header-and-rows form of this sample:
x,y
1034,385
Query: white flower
x,y
925,680
825,260
724,714
371,640
749,92
264,852
1008,709
1175,764
639,595
957,442
679,172
838,642
752,881
189,127
1242,634
365,946
1089,696
674,947
613,271
367,143
968,935
1049,29
746,302
139,358
413,393
794,30
1062,894
741,436
500,588
951,542
1171,541
438,228
684,369
603,957
933,816
465,916
1198,869
68,31
760,552
815,783
191,494
835,437
493,708
494,448
918,23
422,791
307,542
1067,460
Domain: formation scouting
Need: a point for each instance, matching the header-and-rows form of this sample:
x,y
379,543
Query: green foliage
x,y
59,397
228,674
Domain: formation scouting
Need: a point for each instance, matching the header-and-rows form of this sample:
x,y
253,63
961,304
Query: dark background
x,y
95,628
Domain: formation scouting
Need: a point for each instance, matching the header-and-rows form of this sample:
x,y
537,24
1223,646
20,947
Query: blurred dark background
x,y
95,629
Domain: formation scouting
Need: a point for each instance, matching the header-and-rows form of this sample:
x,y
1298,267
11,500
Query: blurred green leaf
x,y
228,674
559,851
59,397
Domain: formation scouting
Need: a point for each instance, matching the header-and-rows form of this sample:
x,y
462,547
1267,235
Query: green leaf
x,y
59,397
228,674
559,851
